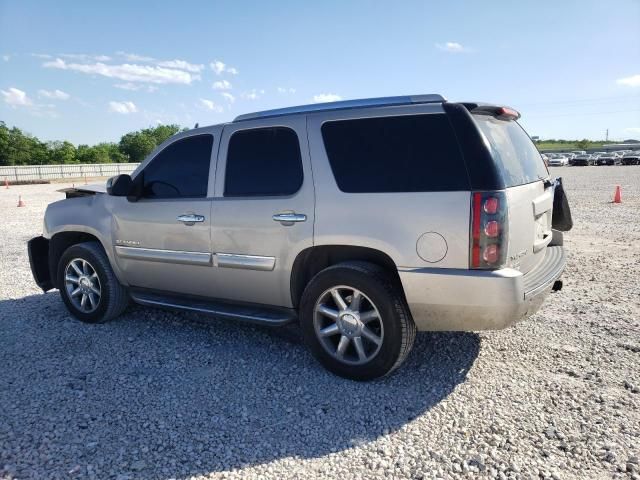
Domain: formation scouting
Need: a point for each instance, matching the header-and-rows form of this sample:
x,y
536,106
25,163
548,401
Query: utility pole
x,y
606,137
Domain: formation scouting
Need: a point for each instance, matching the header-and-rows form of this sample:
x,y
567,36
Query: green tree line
x,y
20,148
561,144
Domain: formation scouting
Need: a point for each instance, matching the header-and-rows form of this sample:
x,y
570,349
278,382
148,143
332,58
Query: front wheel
x,y
88,286
355,321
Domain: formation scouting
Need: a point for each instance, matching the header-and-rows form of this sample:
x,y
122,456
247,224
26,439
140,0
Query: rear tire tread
x,y
394,294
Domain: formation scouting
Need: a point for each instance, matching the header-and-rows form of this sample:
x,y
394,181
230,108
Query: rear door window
x,y
263,162
517,157
409,153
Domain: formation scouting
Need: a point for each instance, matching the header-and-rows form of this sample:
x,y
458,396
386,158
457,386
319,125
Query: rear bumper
x,y
464,300
38,248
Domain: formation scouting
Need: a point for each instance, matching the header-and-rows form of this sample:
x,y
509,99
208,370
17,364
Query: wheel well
x,y
59,243
312,260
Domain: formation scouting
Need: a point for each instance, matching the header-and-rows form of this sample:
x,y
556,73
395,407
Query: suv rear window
x,y
517,157
410,153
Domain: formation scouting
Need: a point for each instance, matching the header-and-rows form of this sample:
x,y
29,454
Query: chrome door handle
x,y
190,218
289,217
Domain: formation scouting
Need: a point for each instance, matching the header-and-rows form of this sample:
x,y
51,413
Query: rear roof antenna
x,y
196,125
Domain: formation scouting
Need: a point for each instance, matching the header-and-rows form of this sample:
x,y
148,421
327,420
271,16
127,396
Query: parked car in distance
x,y
583,160
608,159
631,159
558,160
383,240
545,158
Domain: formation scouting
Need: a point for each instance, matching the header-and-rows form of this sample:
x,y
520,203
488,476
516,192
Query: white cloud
x,y
253,94
284,90
326,97
6,58
53,94
16,97
210,105
83,57
123,107
219,68
632,81
222,85
181,65
41,55
632,129
128,72
134,57
134,87
230,98
452,47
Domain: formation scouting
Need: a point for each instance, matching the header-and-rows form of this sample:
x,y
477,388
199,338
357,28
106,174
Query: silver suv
x,y
362,220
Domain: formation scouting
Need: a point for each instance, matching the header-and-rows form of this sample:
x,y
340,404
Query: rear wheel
x,y
88,286
355,321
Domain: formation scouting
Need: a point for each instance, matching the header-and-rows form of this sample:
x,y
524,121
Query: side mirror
x,y
120,185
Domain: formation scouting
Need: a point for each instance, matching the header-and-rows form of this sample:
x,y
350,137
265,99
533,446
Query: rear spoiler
x,y
498,111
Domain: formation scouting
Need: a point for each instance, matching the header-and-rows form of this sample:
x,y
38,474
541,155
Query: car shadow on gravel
x,y
161,395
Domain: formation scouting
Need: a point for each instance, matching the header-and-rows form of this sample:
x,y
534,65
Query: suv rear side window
x,y
517,157
181,170
263,162
412,153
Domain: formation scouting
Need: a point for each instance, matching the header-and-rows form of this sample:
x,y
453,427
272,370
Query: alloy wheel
x,y
82,285
348,325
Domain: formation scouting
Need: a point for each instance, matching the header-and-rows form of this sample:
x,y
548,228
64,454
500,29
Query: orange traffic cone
x,y
6,183
617,197
20,202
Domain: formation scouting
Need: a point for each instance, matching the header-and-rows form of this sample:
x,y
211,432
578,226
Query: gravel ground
x,y
162,395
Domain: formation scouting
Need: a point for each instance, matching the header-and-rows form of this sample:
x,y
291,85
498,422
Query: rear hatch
x,y
528,193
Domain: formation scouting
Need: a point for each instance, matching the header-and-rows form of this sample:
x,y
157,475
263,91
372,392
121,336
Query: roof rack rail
x,y
344,105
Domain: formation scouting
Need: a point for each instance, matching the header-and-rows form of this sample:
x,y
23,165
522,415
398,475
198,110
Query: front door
x,y
163,240
263,210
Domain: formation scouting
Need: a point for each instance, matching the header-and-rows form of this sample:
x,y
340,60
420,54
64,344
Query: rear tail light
x,y
488,242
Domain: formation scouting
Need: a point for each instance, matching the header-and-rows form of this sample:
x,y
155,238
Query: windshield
x,y
516,155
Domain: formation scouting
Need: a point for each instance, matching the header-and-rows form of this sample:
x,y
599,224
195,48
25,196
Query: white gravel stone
x,y
168,395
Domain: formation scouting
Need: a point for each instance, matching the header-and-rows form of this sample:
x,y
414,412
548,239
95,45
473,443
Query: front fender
x,y
87,215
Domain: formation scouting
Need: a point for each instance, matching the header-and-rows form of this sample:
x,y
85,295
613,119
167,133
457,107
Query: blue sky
x,y
92,71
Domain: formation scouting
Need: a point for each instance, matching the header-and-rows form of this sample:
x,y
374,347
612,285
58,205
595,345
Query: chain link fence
x,y
29,173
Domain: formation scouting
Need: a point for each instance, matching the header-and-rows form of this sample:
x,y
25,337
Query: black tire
x,y
376,284
114,298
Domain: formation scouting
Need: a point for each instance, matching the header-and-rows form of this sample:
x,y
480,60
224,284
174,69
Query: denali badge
x,y
514,260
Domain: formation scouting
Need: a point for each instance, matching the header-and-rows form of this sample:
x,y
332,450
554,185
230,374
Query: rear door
x,y
263,210
530,204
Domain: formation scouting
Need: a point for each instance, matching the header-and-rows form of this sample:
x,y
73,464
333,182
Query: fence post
x,y
15,173
39,172
118,168
61,172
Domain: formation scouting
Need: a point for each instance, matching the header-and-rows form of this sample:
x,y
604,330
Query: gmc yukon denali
x,y
365,221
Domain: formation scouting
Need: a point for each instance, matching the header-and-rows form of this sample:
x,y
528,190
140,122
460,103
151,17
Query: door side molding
x,y
247,262
223,260
165,256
